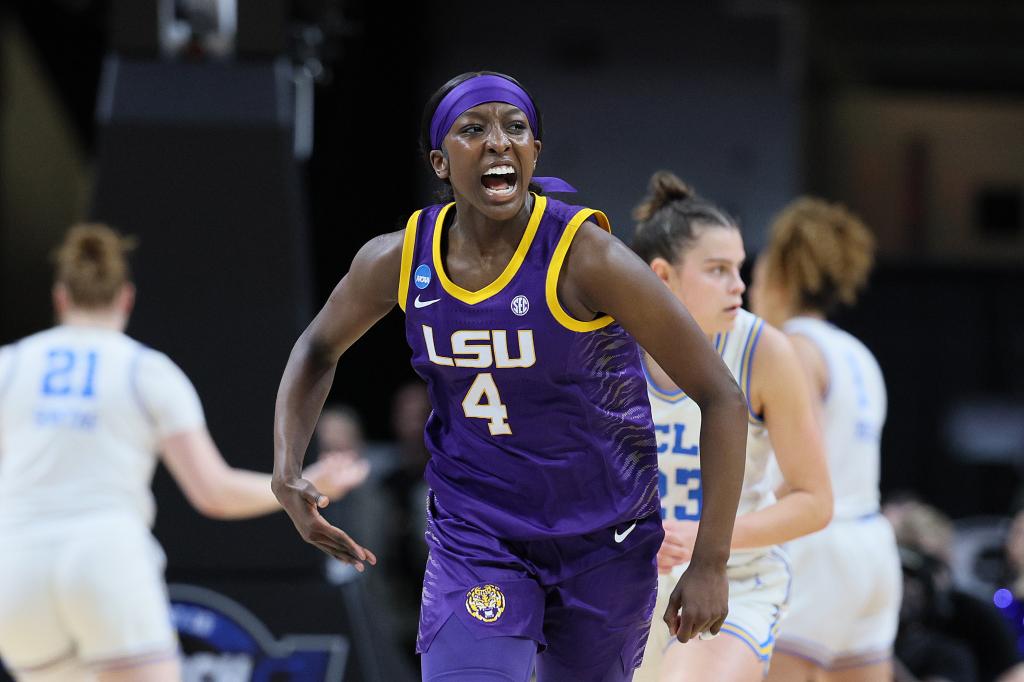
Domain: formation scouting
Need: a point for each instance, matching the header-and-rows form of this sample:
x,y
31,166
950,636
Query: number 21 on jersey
x,y
69,373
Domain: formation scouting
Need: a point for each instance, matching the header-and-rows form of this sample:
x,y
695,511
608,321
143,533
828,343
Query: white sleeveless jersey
x,y
677,427
82,410
854,413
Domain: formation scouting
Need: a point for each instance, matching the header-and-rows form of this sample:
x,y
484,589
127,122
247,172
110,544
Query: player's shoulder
x,y
769,340
152,363
381,250
38,338
766,350
560,210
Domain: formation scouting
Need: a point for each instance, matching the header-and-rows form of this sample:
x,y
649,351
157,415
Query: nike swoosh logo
x,y
423,304
619,537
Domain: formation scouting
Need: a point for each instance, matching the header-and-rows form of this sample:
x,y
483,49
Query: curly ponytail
x,y
822,252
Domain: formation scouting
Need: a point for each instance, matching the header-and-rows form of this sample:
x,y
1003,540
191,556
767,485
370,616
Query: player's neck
x,y
814,314
474,230
100,319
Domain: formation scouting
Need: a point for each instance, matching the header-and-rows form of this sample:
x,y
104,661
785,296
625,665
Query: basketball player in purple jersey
x,y
521,312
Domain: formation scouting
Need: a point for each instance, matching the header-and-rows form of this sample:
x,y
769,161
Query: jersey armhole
x,y
555,268
408,246
747,367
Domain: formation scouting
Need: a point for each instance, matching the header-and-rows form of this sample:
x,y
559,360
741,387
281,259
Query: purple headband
x,y
478,90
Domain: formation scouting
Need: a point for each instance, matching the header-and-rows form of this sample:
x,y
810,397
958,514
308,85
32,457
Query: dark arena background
x,y
253,146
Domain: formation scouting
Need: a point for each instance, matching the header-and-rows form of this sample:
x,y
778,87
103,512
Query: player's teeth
x,y
500,170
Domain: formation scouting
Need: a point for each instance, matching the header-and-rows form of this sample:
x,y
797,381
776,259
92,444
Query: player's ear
x,y
61,299
439,161
663,269
126,299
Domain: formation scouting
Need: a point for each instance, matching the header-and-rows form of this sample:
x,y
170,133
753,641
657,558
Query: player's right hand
x,y
302,502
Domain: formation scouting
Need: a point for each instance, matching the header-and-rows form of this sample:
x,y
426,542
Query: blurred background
x,y
254,145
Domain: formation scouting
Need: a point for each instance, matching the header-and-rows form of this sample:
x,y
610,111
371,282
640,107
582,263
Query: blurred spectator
x,y
945,633
410,409
387,513
340,431
924,650
404,554
1010,599
339,428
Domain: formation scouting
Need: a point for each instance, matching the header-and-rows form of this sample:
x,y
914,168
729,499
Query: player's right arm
x,y
363,296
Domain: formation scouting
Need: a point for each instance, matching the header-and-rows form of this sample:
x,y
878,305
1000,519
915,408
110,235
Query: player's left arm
x,y
781,391
602,275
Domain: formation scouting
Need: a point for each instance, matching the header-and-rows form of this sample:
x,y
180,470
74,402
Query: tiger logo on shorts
x,y
485,603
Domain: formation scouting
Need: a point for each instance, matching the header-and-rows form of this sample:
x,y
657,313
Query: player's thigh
x,y
876,672
597,622
723,658
168,670
32,634
786,668
114,600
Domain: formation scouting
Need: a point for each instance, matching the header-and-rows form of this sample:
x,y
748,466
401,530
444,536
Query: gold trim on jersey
x,y
473,297
555,267
408,246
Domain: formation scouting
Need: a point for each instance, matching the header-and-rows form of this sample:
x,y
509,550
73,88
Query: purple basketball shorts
x,y
585,600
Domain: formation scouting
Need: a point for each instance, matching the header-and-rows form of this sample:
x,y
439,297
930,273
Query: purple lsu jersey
x,y
541,425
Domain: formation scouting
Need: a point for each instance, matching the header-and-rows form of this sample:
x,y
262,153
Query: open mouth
x,y
500,180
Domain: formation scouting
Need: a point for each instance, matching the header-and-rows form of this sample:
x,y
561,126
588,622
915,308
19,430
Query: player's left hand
x,y
699,603
336,473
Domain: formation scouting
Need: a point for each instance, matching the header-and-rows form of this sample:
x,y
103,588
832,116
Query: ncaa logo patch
x,y
422,276
520,305
485,603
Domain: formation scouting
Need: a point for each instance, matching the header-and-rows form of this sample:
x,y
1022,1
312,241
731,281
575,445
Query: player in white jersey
x,y
697,250
847,581
83,411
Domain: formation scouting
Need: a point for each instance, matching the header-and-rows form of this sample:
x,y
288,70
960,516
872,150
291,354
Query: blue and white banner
x,y
222,641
